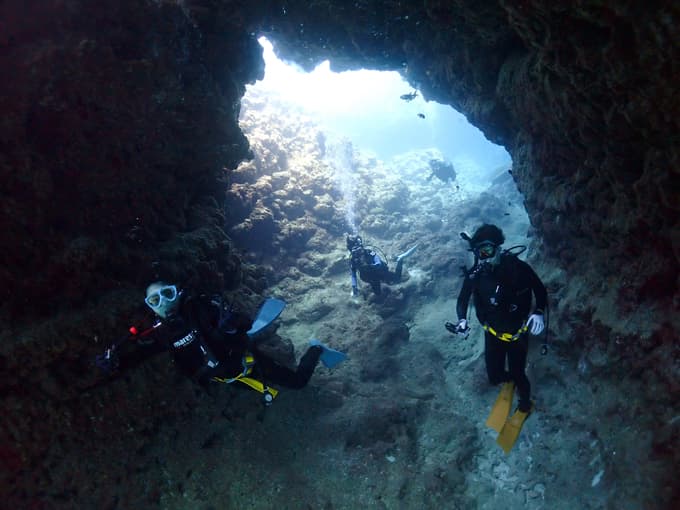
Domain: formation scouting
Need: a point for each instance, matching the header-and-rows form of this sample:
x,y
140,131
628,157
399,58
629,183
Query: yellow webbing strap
x,y
257,385
506,337
248,362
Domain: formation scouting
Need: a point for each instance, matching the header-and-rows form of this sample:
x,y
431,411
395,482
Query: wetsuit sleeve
x,y
464,299
133,354
538,289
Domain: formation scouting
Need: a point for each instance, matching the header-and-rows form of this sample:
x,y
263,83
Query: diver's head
x,y
486,244
162,298
354,242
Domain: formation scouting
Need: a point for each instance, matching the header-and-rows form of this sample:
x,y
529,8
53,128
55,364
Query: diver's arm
x,y
540,293
464,299
461,310
134,354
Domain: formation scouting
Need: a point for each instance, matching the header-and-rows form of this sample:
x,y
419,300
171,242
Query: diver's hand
x,y
457,329
535,323
108,361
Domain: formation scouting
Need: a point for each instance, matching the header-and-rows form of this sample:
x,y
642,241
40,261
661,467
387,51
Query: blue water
x,y
365,107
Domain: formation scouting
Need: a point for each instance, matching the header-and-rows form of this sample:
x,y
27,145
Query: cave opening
x,y
370,131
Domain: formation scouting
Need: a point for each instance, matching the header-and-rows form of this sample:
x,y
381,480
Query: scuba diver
x,y
502,285
372,267
211,343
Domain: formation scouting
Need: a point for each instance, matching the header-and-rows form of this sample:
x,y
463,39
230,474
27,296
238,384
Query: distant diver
x,y
372,268
421,115
443,170
409,97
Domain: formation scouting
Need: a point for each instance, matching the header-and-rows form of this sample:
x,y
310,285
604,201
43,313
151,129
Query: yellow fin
x,y
510,432
501,408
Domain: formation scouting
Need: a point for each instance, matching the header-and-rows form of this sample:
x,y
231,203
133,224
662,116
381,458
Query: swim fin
x,y
329,357
406,253
510,432
501,408
269,311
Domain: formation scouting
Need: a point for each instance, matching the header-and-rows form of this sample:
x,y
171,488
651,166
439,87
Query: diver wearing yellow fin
x,y
502,287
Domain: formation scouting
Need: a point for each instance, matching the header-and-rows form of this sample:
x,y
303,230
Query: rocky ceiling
x,y
119,127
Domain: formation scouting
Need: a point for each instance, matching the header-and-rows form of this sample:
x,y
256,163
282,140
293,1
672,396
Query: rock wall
x,y
118,121
111,146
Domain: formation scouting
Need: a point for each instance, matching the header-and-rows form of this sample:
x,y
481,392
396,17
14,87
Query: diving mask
x,y
354,242
161,298
485,250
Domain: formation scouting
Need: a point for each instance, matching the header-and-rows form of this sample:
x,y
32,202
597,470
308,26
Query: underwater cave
x,y
137,147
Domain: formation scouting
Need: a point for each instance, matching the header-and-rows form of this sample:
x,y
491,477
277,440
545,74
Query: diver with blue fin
x,y
502,287
371,265
213,343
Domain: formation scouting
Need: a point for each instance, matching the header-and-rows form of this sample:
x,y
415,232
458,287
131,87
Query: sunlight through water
x,y
366,107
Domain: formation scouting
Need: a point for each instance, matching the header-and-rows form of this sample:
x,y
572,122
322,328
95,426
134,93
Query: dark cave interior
x,y
120,131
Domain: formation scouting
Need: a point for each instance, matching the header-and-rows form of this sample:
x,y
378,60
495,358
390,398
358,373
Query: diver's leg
x,y
275,373
398,269
517,360
494,356
391,277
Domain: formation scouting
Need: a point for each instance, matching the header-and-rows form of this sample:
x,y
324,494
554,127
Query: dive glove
x,y
108,361
457,329
535,323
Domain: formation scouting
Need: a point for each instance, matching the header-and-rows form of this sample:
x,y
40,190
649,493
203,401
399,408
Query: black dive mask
x,y
485,250
354,243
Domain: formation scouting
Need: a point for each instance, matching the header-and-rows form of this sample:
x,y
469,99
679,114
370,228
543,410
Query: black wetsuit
x,y
502,298
202,348
372,269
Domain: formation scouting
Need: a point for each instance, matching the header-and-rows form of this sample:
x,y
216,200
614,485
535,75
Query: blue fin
x,y
407,252
329,357
268,313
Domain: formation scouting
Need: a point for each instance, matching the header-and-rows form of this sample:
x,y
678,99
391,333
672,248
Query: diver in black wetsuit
x,y
502,287
371,266
209,343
